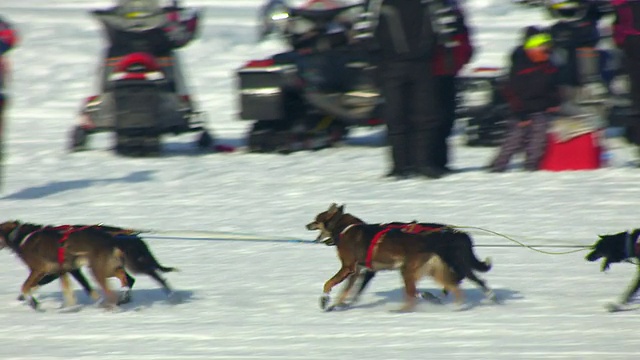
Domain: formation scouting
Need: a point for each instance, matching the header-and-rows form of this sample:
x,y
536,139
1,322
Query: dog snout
x,y
312,226
593,256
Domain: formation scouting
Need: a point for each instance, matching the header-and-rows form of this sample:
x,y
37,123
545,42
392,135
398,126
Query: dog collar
x,y
14,234
24,240
346,229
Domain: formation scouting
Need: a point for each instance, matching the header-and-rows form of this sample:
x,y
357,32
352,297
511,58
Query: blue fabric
x,y
4,47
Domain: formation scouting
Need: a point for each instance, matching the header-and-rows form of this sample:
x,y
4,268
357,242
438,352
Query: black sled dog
x,y
620,247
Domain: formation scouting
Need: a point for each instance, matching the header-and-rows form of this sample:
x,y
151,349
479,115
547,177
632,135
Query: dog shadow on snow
x,y
55,187
140,298
474,297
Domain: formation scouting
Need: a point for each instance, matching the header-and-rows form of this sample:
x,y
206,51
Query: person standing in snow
x,y
533,93
454,51
8,39
626,34
400,37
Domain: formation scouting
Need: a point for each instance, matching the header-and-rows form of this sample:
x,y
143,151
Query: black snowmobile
x,y
482,106
308,97
142,93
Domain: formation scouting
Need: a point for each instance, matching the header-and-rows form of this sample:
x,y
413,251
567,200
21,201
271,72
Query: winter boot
x,y
424,154
400,156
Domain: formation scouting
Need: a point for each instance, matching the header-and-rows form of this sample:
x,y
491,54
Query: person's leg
x,y
632,64
536,143
446,100
1,115
512,144
425,120
393,90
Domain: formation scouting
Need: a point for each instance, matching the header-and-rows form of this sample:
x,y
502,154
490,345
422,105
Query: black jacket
x,y
532,87
404,31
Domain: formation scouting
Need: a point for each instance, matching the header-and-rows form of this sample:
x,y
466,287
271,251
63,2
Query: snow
x,y
258,298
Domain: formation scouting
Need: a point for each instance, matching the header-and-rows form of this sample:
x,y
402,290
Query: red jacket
x,y
449,60
627,20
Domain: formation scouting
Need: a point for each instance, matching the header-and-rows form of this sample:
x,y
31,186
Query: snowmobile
x,y
482,106
143,95
308,97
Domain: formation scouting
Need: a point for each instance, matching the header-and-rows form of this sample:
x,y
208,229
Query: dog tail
x,y
160,267
152,259
167,269
477,264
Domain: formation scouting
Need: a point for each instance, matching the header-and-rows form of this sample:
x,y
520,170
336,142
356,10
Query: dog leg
x,y
124,277
366,278
410,290
110,298
341,302
627,296
336,279
488,292
633,289
160,280
67,291
77,274
445,277
28,286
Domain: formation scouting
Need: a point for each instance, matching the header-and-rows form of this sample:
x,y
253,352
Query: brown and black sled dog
x,y
47,250
137,256
447,257
616,248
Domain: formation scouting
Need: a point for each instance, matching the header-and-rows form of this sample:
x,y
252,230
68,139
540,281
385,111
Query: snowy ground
x,y
259,299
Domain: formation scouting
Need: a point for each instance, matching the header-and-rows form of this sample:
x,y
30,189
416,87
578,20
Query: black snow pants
x,y
446,93
632,62
411,114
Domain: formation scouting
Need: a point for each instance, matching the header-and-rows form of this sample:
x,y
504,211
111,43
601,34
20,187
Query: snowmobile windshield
x,y
135,9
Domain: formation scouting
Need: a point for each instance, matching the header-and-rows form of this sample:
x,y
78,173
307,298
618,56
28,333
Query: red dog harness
x,y
411,228
65,231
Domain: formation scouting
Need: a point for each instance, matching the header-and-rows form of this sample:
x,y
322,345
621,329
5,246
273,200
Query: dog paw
x,y
430,297
338,307
461,307
324,301
174,298
612,307
33,303
488,261
491,295
124,298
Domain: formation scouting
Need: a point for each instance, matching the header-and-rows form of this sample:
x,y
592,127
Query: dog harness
x,y
66,231
411,228
632,247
